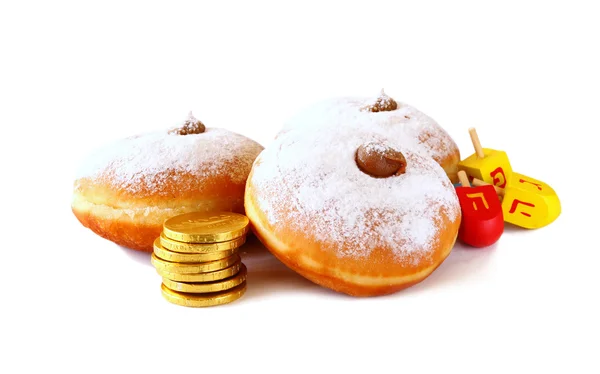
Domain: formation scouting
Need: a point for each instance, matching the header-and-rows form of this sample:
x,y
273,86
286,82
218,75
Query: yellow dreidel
x,y
527,202
488,165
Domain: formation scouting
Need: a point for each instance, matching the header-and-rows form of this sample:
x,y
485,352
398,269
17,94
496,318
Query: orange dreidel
x,y
528,202
482,222
488,165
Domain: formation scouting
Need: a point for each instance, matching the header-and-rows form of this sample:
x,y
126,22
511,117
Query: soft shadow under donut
x,y
463,263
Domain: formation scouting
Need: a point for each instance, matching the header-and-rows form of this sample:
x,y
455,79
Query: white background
x,y
74,76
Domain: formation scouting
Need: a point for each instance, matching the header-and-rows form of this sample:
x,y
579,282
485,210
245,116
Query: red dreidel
x,y
489,165
482,220
527,202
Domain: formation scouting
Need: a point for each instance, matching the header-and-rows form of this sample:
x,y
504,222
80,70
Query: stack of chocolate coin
x,y
197,257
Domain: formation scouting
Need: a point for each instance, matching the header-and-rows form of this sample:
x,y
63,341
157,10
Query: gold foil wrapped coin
x,y
165,254
203,300
199,227
207,287
202,277
194,267
182,247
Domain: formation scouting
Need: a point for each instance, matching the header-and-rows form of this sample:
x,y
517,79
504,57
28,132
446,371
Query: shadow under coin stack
x,y
197,257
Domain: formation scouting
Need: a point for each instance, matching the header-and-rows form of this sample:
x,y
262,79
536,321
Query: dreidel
x,y
482,222
489,165
527,202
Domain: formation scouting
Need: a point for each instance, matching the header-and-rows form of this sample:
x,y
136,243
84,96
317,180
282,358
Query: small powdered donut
x,y
361,230
126,190
387,117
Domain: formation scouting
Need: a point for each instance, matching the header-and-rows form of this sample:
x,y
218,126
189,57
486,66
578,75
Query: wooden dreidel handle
x,y
489,165
482,223
476,143
463,179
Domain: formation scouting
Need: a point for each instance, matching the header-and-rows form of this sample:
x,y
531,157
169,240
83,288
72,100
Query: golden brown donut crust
x,y
378,274
443,150
322,216
132,222
129,207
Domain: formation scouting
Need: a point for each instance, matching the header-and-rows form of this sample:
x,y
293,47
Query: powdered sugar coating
x,y
407,125
309,181
143,162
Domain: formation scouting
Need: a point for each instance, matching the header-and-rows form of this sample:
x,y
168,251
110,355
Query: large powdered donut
x,y
126,190
322,216
382,115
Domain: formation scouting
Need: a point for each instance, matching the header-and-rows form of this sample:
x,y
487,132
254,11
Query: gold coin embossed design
x,y
182,247
165,254
203,300
194,267
202,277
197,227
207,287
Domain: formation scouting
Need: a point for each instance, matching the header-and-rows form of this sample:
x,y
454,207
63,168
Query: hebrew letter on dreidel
x,y
482,223
488,165
529,203
539,186
515,203
473,196
498,177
